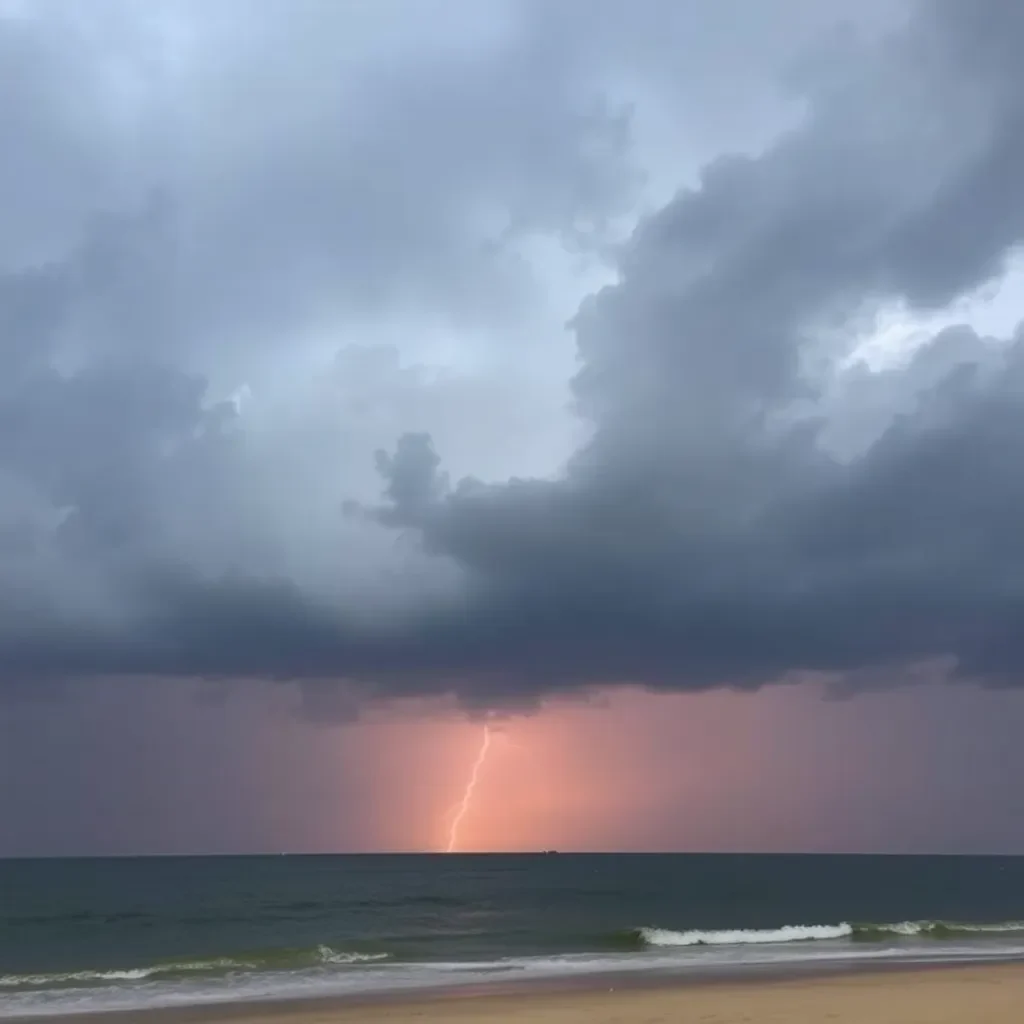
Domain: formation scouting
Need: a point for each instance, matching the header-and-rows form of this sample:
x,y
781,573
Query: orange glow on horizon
x,y
629,770
913,769
581,776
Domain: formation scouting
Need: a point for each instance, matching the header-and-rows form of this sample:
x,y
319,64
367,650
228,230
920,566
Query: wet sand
x,y
954,995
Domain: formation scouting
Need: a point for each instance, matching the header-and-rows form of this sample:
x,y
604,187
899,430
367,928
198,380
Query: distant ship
x,y
549,853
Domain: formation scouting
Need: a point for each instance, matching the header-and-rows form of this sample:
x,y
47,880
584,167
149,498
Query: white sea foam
x,y
333,956
944,927
24,980
746,936
331,972
824,932
218,965
115,975
134,993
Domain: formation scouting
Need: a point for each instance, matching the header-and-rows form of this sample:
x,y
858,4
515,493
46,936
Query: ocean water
x,y
87,935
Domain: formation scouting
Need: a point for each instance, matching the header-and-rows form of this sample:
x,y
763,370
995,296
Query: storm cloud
x,y
283,385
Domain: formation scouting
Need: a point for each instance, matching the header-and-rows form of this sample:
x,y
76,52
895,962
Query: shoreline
x,y
630,996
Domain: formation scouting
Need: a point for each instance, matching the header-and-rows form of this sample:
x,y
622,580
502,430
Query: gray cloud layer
x,y
736,511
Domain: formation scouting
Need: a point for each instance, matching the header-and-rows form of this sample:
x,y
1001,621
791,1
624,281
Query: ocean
x,y
88,935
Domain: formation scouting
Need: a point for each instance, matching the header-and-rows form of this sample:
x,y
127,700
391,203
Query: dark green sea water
x,y
93,934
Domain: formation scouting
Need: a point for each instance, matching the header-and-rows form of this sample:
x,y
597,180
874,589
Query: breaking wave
x,y
744,936
281,959
825,932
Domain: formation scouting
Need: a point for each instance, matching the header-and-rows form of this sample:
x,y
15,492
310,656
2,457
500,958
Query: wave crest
x,y
824,932
935,929
282,959
333,956
745,936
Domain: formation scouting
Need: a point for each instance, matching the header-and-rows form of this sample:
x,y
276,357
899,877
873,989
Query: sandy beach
x,y
957,995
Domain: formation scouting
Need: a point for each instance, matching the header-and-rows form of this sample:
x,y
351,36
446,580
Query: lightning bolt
x,y
467,796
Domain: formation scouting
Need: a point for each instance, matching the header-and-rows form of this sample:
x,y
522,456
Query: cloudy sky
x,y
644,379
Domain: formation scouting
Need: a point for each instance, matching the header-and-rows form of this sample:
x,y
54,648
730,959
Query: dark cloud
x,y
690,543
734,516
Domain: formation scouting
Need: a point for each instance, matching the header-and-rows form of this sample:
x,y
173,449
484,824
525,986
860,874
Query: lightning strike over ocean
x,y
467,796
